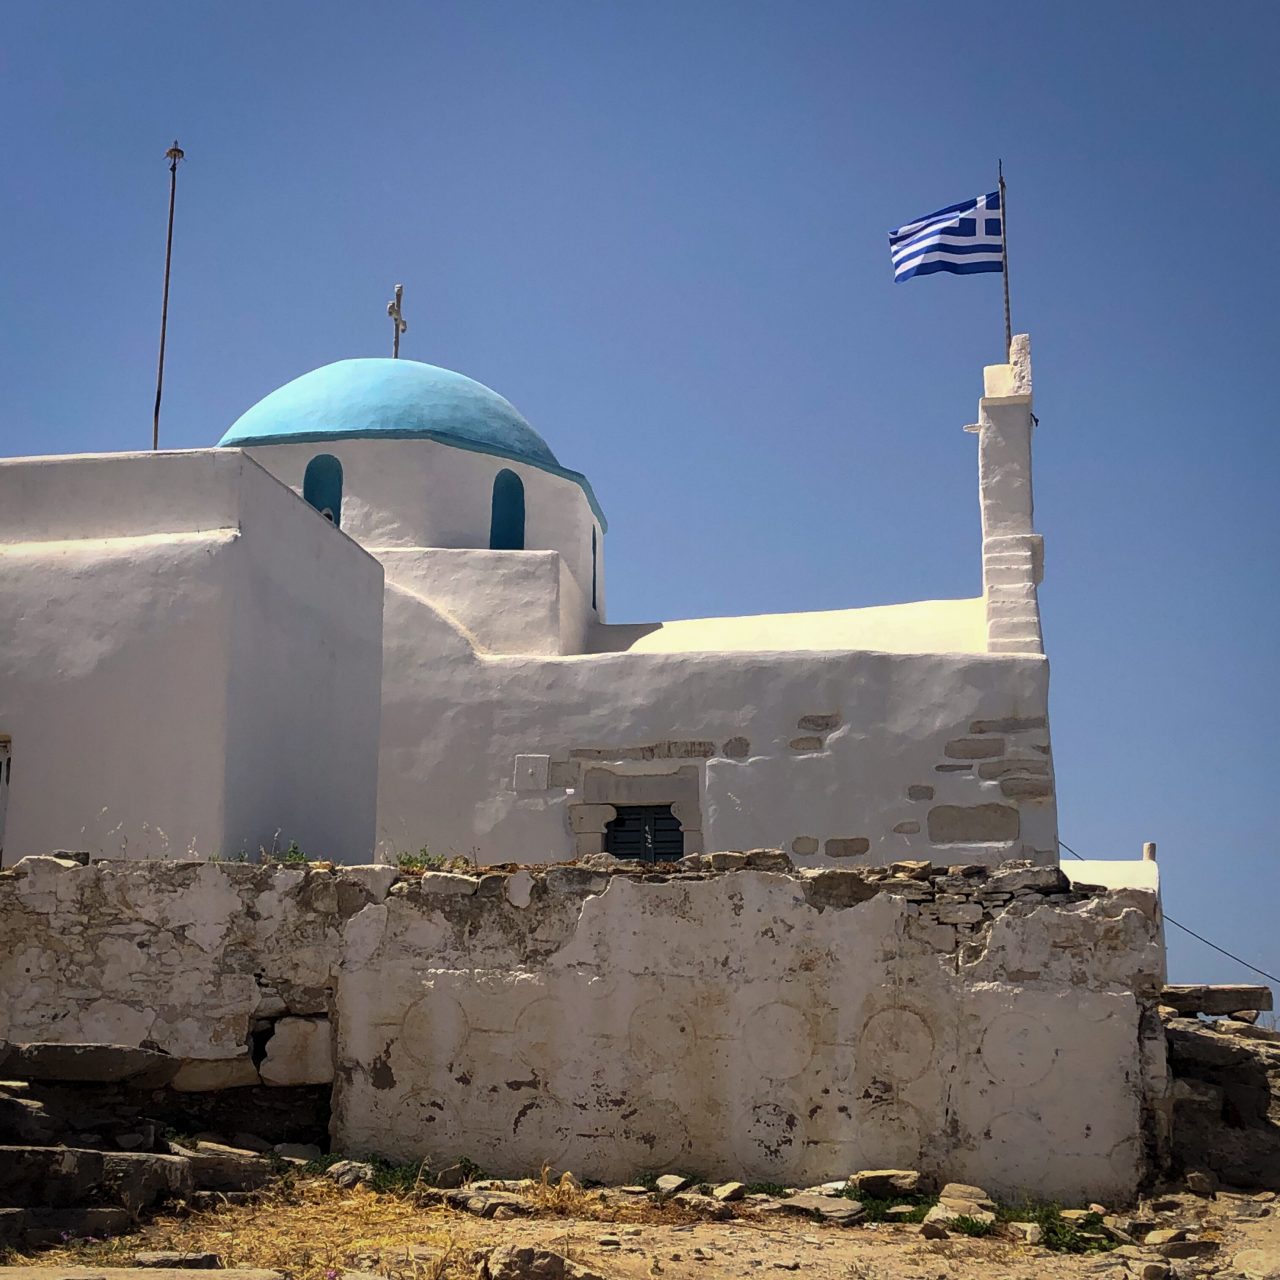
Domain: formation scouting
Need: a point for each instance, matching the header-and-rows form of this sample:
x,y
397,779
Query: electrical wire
x,y
1199,938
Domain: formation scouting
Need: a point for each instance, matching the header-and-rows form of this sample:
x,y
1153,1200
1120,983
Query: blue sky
x,y
659,229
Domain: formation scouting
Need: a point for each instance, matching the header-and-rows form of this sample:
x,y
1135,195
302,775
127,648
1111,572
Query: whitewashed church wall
x,y
113,662
303,683
865,756
506,601
419,493
763,1024
165,691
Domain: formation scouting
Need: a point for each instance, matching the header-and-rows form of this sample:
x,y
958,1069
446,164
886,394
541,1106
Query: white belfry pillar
x,y
1012,552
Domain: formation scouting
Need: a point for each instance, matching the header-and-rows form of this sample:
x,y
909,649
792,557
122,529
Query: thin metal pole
x,y
174,154
1004,258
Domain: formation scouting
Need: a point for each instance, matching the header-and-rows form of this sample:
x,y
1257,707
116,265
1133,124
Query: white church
x,y
372,619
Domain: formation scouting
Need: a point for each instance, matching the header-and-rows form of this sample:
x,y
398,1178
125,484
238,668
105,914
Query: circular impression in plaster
x,y
434,1029
540,1129
426,1123
1017,1050
779,1040
648,1133
546,1031
661,1035
896,1044
768,1138
889,1135
1018,1144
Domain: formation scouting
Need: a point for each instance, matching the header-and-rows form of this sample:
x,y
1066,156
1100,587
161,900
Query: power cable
x,y
1198,937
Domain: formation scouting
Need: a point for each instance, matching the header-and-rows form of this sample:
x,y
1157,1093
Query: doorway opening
x,y
646,832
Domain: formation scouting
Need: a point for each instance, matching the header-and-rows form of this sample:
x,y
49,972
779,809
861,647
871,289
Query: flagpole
x,y
1004,260
173,155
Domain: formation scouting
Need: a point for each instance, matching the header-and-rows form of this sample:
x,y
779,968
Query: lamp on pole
x,y
173,155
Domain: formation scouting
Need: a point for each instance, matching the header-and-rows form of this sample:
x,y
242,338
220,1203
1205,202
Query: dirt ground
x,y
314,1231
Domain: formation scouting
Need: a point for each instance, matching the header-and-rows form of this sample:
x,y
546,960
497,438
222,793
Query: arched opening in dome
x,y
506,523
322,486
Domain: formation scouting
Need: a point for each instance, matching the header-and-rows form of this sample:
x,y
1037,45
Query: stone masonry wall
x,y
727,1013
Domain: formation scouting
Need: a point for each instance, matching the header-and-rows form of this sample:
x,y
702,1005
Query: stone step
x,y
1196,998
66,1177
89,1064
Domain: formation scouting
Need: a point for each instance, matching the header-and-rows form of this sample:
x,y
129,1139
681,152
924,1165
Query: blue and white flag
x,y
964,239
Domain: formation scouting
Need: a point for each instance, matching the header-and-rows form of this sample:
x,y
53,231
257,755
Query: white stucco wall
x,y
896,742
420,493
756,1024
174,629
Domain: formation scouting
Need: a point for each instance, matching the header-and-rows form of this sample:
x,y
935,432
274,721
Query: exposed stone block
x,y
137,1181
35,1177
918,792
737,748
974,748
847,847
1216,1000
953,768
960,913
1026,788
806,744
1012,766
215,1167
91,1064
973,824
590,817
300,1051
836,887
805,845
885,1184
727,861
768,860
1023,879
564,773
603,786
819,723
203,1075
674,749
1010,724
907,828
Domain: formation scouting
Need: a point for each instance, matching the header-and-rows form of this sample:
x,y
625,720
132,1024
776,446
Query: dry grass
x,y
310,1229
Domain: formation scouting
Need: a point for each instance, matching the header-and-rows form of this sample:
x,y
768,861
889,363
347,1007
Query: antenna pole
x,y
1004,260
173,155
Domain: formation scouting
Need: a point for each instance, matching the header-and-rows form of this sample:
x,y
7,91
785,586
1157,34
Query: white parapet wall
x,y
733,1015
190,661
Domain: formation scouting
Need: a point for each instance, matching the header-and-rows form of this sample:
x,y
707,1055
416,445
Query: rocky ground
x,y
308,1226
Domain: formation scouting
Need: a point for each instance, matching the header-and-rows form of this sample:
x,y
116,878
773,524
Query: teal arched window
x,y
506,525
322,486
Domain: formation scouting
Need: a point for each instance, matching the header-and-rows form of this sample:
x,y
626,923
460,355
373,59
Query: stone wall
x,y
729,1014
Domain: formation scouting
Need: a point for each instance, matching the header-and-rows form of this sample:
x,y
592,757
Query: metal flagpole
x,y
1004,260
174,154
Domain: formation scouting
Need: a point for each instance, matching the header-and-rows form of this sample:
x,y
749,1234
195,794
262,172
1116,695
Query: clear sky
x,y
659,229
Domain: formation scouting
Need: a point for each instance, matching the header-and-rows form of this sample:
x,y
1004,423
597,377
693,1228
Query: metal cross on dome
x,y
394,309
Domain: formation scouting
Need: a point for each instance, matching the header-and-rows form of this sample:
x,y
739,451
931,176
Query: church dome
x,y
380,398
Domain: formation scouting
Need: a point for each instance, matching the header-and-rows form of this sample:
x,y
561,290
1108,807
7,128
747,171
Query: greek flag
x,y
964,239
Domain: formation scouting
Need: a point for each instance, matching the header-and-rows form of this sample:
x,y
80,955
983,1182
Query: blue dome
x,y
380,398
